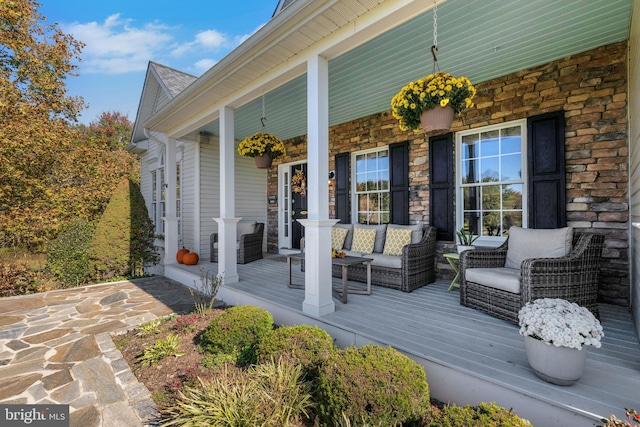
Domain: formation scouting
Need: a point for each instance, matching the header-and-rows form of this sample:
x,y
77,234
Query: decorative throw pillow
x,y
363,240
381,230
396,239
337,237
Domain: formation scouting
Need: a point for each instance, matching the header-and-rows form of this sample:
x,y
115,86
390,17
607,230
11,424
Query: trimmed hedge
x,y
237,331
302,345
123,240
483,415
372,384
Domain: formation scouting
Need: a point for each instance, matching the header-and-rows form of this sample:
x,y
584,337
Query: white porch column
x,y
227,230
170,219
318,300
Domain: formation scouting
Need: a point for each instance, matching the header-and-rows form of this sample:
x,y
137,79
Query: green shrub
x,y
485,414
373,385
123,239
270,395
237,330
305,345
68,254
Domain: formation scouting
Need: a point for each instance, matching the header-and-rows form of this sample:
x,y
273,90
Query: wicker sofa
x,y
249,244
411,270
490,284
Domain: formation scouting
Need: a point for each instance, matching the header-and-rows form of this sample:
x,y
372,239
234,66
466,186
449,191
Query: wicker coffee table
x,y
344,263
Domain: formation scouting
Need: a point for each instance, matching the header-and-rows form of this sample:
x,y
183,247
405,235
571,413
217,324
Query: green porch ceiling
x,y
480,39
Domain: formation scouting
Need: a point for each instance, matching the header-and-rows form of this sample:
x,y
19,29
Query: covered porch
x,y
468,356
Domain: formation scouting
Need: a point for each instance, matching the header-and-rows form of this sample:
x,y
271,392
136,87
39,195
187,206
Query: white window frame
x,y
491,241
354,192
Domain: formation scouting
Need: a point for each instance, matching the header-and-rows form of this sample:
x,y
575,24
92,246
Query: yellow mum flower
x,y
441,92
444,102
448,88
413,106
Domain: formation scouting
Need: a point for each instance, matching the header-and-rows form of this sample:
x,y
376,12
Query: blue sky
x,y
121,37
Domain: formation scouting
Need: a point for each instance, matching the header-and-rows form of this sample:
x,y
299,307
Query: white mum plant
x,y
561,323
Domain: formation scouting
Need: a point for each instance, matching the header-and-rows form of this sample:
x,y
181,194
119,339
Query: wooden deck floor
x,y
468,356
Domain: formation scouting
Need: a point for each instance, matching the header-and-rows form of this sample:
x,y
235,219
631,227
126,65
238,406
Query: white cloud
x,y
119,46
203,65
116,47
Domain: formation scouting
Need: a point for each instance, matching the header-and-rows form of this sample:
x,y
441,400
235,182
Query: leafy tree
x,y
35,118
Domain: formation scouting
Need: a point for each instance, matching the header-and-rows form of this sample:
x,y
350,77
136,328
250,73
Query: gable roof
x,y
161,84
281,5
173,80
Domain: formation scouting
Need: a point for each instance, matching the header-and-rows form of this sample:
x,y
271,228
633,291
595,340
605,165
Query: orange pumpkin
x,y
180,255
190,258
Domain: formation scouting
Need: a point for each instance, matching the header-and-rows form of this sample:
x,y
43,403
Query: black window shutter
x,y
547,187
442,188
399,182
342,188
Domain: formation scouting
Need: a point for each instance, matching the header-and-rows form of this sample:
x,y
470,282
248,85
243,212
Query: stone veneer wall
x,y
590,87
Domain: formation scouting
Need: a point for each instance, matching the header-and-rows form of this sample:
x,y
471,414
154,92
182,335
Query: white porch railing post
x,y
170,218
227,229
318,300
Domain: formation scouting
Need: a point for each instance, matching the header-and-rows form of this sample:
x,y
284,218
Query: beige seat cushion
x,y
506,279
526,243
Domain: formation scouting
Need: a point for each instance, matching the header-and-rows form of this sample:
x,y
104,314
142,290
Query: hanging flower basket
x,y
263,161
437,119
263,145
436,90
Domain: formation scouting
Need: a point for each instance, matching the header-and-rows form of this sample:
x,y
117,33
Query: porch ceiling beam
x,y
233,81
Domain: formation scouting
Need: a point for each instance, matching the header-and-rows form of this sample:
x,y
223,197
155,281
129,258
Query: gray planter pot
x,y
557,365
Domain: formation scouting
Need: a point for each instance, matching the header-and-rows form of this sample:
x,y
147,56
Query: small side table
x,y
452,259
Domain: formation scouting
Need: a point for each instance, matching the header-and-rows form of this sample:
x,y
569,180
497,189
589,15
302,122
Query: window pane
x,y
363,202
372,181
490,143
471,222
469,146
470,171
511,218
490,197
491,224
512,196
470,198
511,140
490,169
384,180
511,167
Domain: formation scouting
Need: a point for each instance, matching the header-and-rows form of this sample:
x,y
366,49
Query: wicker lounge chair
x,y
573,277
249,245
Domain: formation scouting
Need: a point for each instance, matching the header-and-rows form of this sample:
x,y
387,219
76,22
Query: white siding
x,y
250,191
160,100
634,145
148,162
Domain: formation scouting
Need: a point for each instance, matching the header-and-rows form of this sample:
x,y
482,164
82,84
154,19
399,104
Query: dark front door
x,y
298,202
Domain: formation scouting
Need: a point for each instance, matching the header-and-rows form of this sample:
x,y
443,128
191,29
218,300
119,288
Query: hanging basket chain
x,y
434,46
263,119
